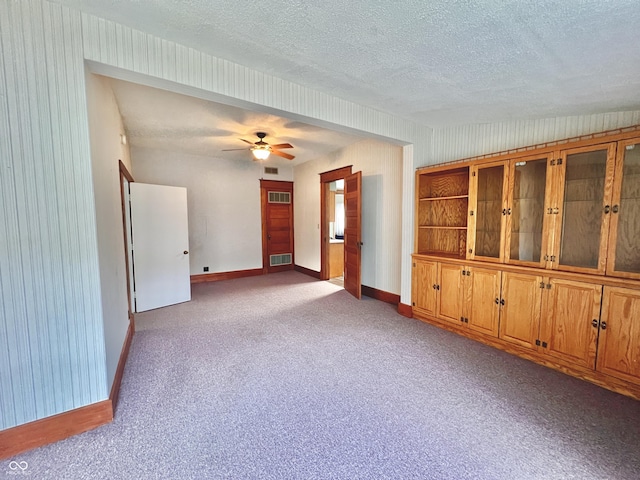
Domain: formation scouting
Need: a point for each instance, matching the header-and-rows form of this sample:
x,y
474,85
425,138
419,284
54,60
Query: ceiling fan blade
x,y
282,154
234,149
282,145
246,141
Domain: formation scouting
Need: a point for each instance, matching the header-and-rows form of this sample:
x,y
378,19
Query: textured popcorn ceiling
x,y
436,62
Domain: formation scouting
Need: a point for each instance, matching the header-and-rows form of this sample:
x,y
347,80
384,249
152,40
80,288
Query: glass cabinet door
x,y
624,237
582,228
527,229
489,183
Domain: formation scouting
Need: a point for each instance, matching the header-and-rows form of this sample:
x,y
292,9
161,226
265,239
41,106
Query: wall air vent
x,y
282,259
271,170
279,197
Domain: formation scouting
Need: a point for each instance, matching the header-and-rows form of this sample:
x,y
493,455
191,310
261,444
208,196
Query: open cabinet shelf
x,y
442,205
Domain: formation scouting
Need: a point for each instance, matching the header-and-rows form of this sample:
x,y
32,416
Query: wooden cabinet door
x,y
425,282
582,208
520,315
528,218
450,295
482,296
623,259
619,342
487,211
569,325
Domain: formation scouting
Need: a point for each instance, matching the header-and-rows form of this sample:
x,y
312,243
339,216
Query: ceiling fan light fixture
x,y
260,153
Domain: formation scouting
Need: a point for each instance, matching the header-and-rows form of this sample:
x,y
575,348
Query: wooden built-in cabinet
x,y
442,205
538,253
555,317
457,294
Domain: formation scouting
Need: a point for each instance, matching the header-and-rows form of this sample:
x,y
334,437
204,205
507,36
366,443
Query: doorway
x,y
350,244
336,217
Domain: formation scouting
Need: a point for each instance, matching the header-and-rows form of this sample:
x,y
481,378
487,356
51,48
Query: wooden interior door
x,y
353,233
566,327
277,225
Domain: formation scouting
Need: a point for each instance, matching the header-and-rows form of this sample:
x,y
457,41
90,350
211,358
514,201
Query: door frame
x,y
325,179
265,186
126,213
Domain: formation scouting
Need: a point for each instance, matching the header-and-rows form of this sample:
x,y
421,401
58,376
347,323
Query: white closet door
x,y
160,245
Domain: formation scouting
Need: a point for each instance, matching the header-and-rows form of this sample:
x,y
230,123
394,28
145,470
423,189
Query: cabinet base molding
x,y
405,310
591,376
216,277
51,429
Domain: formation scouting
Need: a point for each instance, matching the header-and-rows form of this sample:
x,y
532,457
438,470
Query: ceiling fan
x,y
261,149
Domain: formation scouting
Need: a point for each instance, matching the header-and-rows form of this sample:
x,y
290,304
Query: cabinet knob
x,y
607,209
497,301
614,209
603,325
594,323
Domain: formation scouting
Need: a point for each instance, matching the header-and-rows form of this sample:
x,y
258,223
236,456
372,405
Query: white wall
x,y
225,224
105,128
381,166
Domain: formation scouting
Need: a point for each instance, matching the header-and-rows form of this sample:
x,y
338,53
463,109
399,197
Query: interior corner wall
x,y
223,197
382,202
105,129
467,141
52,353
